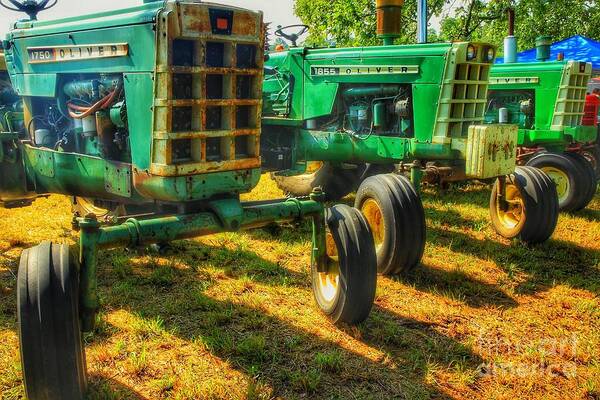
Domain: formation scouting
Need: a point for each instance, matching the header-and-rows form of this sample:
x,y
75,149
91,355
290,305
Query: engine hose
x,y
80,112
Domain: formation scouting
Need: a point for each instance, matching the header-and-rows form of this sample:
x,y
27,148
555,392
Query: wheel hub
x,y
563,185
515,211
374,217
313,166
328,282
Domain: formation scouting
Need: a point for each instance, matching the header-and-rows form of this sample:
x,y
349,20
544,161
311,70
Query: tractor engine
x,y
515,107
89,117
374,109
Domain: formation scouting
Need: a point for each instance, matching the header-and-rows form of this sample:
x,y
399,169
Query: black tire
x,y
52,352
589,173
593,156
352,298
336,182
574,184
538,210
395,213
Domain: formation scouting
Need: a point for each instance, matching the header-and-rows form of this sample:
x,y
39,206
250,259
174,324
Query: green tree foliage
x,y
487,20
353,22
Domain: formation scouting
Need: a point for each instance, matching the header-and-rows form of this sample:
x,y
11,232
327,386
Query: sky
x,y
280,12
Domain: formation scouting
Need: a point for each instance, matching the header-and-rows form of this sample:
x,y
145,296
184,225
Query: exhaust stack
x,y
542,45
421,21
510,42
389,16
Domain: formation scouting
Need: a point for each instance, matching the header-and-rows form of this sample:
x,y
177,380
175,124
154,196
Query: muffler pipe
x,y
389,19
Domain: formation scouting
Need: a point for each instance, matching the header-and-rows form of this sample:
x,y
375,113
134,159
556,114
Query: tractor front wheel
x,y
345,290
571,179
394,211
527,207
52,352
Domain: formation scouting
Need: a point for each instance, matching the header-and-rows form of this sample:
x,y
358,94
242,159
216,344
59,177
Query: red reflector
x,y
222,24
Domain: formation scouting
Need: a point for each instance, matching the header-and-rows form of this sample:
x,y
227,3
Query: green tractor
x,y
11,123
546,100
155,107
361,119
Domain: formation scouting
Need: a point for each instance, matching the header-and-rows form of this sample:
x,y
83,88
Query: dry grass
x,y
231,316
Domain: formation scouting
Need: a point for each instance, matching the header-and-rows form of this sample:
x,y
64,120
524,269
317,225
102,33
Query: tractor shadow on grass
x,y
589,214
545,264
196,256
288,233
457,285
102,388
291,360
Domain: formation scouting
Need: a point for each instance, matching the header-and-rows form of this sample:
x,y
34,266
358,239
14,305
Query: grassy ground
x,y
231,316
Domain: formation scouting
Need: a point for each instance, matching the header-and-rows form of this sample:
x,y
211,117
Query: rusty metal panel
x,y
195,22
491,150
208,91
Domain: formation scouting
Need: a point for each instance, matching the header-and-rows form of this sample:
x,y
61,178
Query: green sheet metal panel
x,y
340,147
67,173
140,40
128,16
42,85
139,115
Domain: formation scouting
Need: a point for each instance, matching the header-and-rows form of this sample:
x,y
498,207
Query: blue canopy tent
x,y
576,47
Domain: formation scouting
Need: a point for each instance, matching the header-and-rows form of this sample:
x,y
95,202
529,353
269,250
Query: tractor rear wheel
x,y
572,181
588,171
592,154
394,211
52,352
336,182
346,290
530,212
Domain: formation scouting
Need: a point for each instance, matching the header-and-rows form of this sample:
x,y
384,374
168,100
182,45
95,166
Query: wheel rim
x,y
561,179
515,212
374,217
313,166
328,283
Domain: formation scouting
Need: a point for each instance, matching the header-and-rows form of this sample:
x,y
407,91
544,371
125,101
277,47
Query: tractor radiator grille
x,y
570,102
469,98
208,92
463,98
